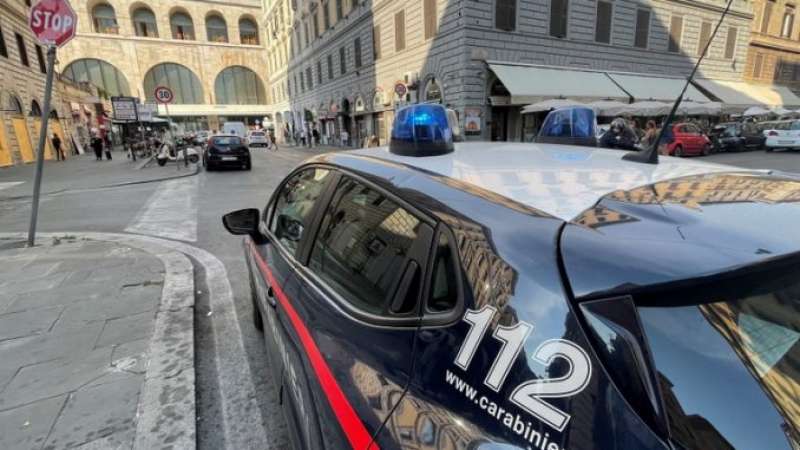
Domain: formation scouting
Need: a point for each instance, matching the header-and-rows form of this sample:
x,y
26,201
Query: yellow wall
x,y
23,139
5,152
48,147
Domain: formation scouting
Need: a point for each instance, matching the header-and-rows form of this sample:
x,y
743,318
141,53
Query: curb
x,y
107,186
167,411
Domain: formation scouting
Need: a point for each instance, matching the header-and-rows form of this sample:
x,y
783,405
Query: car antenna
x,y
650,155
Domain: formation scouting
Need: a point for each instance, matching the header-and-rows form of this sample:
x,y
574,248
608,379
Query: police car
x,y
534,296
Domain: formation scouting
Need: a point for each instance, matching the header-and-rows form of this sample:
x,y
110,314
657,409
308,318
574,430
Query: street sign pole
x,y
37,178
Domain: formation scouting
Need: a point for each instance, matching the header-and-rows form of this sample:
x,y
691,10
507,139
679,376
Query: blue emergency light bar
x,y
421,130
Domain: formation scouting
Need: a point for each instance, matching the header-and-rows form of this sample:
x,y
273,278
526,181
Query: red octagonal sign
x,y
53,21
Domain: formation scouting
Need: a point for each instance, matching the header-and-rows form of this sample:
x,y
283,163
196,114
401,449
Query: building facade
x,y
774,52
345,65
210,54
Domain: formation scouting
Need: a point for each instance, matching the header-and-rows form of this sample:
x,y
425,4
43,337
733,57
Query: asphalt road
x,y
193,211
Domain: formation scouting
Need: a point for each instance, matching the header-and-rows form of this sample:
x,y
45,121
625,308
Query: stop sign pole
x,y
53,24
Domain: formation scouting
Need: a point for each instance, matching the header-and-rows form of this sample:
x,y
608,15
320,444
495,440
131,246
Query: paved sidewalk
x,y
84,172
81,367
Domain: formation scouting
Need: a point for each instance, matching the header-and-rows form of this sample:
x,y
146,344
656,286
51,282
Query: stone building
x,y
774,51
335,64
22,79
211,55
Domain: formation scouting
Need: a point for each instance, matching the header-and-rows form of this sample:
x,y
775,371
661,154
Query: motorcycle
x,y
169,153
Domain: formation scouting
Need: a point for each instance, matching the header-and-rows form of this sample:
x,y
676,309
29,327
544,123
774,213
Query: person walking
x,y
97,146
650,135
56,141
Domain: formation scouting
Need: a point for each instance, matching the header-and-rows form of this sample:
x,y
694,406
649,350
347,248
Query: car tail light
x,y
772,133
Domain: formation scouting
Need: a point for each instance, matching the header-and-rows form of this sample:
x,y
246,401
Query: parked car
x,y
689,140
736,137
258,138
783,134
418,296
226,151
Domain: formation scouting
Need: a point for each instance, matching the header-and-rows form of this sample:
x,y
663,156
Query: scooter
x,y
167,153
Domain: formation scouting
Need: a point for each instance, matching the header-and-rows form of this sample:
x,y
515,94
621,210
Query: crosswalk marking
x,y
9,184
171,212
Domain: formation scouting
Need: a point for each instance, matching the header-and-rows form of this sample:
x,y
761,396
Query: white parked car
x,y
258,138
782,134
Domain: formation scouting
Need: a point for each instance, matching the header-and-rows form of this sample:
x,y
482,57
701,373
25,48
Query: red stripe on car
x,y
354,429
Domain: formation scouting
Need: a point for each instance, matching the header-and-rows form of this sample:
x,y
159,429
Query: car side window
x,y
294,204
363,245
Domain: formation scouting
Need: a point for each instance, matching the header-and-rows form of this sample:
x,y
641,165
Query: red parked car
x,y
689,140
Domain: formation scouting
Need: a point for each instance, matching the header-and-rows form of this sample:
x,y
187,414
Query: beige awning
x,y
215,110
530,84
662,89
739,95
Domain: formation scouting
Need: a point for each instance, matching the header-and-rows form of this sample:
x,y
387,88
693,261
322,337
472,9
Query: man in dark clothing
x,y
97,146
619,136
56,141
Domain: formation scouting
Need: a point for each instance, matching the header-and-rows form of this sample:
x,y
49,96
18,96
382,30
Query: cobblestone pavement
x,y
76,319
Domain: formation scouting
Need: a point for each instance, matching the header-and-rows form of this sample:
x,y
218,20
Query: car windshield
x,y
730,370
227,140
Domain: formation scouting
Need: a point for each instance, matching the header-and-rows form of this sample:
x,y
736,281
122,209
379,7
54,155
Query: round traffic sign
x,y
163,95
400,89
52,21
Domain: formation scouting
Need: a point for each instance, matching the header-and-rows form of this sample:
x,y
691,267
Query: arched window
x,y
248,32
433,93
239,86
183,82
14,105
182,26
36,110
104,19
216,29
144,23
108,80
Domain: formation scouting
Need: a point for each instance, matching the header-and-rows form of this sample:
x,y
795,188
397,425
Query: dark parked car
x,y
736,137
557,297
226,151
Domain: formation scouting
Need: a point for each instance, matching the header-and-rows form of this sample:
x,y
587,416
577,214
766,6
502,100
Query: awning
x,y
531,84
738,95
643,87
215,110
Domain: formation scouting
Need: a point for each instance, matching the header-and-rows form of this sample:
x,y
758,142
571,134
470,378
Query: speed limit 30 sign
x,y
163,95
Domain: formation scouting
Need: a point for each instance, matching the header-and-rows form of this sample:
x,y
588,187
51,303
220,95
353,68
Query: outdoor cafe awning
x,y
643,87
530,84
738,95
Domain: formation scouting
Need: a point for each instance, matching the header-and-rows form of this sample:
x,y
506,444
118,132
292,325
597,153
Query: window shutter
x,y
400,31
642,28
342,61
559,10
357,52
430,18
602,30
730,43
705,36
675,34
505,15
376,42
767,16
3,49
330,66
757,66
319,71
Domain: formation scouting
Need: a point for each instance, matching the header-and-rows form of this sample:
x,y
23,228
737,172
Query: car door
x,y
288,216
356,317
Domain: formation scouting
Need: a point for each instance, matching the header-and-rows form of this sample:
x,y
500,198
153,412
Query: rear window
x,y
730,370
227,140
257,134
795,125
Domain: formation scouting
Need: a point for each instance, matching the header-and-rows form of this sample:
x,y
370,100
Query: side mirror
x,y
242,222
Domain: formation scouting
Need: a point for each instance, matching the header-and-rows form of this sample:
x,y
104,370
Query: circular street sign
x,y
52,22
163,95
400,89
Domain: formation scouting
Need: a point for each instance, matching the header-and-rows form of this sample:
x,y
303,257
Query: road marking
x,y
171,212
236,386
9,184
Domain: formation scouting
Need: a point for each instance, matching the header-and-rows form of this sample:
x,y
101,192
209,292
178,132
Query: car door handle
x,y
271,297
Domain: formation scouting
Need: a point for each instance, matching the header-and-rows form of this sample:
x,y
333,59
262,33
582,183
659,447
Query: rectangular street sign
x,y
124,108
147,111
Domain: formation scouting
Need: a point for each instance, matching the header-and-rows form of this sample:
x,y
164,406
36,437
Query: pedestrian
x,y
97,146
107,145
637,129
650,135
56,141
345,138
315,133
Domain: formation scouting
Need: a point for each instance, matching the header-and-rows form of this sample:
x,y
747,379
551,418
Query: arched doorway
x,y
238,85
108,80
20,127
185,85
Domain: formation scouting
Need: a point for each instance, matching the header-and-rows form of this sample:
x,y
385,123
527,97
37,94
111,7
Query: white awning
x,y
739,95
215,110
531,84
643,87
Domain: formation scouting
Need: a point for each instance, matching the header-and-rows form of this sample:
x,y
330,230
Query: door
x,y
23,139
5,152
48,146
360,292
499,124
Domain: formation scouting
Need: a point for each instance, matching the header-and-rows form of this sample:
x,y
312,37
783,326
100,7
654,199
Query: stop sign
x,y
52,21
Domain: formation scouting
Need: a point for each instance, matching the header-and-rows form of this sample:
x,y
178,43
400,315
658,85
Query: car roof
x,y
560,180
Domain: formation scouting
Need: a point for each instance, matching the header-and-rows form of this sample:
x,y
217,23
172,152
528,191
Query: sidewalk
x,y
85,348
84,172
